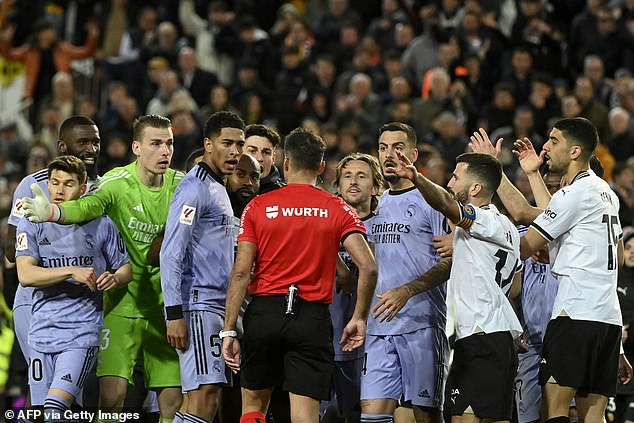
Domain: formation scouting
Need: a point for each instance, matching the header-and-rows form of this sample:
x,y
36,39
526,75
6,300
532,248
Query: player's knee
x,y
112,398
204,397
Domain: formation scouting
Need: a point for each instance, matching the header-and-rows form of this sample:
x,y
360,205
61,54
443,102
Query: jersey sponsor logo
x,y
272,211
67,378
187,215
18,210
139,208
550,214
63,261
304,212
389,232
22,242
44,241
143,231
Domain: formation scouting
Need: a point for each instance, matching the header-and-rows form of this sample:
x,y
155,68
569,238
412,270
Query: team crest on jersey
x,y
90,241
18,210
22,242
272,211
469,212
187,215
411,211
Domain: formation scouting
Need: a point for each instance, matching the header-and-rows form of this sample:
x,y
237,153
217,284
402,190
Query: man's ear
x,y
62,148
136,148
322,168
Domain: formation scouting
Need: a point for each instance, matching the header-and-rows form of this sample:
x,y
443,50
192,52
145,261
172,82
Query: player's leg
x,y
592,407
347,385
120,343
202,367
423,355
528,393
304,409
21,324
381,384
71,369
162,373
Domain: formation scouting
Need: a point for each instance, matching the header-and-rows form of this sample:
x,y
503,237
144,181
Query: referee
x,y
293,235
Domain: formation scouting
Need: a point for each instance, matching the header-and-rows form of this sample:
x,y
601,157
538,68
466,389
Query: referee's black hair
x,y
305,149
483,168
71,122
219,120
579,131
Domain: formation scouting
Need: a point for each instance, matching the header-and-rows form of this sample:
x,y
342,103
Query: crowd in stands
x,y
341,68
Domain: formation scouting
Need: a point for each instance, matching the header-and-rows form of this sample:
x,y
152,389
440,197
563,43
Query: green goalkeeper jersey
x,y
140,214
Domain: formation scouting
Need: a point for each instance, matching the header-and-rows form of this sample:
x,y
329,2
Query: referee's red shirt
x,y
297,230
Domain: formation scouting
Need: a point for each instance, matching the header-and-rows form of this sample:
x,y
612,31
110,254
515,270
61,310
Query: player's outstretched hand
x,y
480,143
107,281
405,169
526,154
390,303
38,209
85,275
231,353
177,333
353,334
625,370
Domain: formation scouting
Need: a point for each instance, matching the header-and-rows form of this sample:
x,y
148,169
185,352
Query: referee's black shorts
x,y
581,354
295,353
482,376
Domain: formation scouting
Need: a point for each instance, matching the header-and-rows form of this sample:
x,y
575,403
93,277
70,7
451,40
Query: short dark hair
x,y
153,121
305,149
219,120
71,122
263,131
189,162
579,131
484,168
69,164
402,127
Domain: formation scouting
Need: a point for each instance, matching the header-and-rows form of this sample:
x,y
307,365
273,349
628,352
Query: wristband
x,y
226,333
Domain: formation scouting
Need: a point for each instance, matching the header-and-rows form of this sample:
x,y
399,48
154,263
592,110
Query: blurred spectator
x,y
621,90
44,55
62,96
420,55
117,91
361,109
400,111
361,63
252,111
349,43
168,85
382,28
248,82
165,45
87,107
521,74
621,138
254,45
583,31
450,14
38,159
13,148
127,111
215,38
608,43
502,109
287,14
543,102
187,137
623,186
47,134
326,29
325,73
291,93
194,79
591,107
438,99
403,35
180,101
299,35
447,137
155,68
478,83
437,170
319,107
218,100
116,152
594,70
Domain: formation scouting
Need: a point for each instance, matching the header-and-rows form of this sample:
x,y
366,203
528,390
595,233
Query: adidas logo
x,y
45,241
139,208
67,378
424,394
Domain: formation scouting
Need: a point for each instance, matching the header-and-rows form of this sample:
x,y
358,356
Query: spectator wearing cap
x,y
194,79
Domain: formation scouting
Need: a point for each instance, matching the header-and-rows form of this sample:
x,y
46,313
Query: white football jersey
x,y
486,256
582,224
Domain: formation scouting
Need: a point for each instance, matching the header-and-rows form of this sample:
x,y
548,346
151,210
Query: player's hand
x,y
542,256
521,343
444,243
85,275
405,168
353,334
625,370
346,282
625,332
107,281
177,333
38,209
390,303
231,352
480,143
526,154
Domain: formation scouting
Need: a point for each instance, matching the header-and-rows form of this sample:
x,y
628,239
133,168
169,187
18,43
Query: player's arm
x,y
531,242
17,212
435,195
346,281
516,285
117,257
514,201
114,280
354,333
238,283
393,300
31,274
154,253
620,252
9,244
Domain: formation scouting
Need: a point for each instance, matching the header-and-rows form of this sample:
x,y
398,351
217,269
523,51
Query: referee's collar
x,y
213,174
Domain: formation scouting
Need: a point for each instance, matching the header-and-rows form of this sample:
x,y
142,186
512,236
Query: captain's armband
x,y
467,216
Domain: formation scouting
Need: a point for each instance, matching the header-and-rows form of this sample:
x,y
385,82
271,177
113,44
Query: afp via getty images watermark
x,y
70,415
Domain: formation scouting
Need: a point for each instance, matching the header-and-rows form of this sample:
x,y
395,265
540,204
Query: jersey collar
x,y
580,175
213,174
